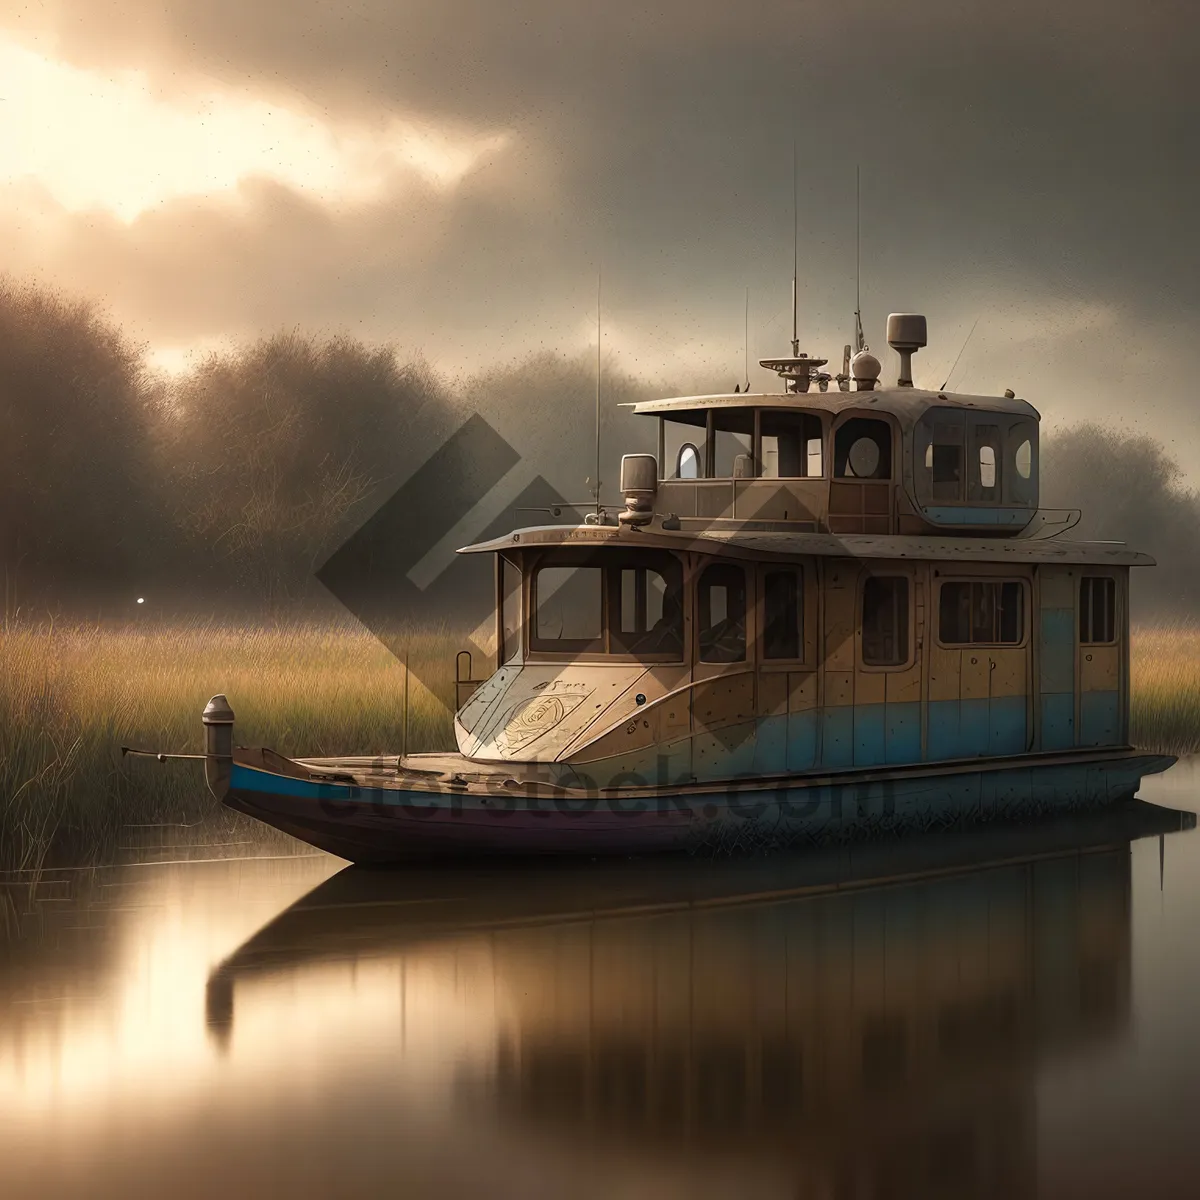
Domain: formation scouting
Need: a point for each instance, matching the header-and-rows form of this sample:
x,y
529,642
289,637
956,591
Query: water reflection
x,y
870,1033
868,1024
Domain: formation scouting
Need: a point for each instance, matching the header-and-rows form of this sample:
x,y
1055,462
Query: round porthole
x,y
864,458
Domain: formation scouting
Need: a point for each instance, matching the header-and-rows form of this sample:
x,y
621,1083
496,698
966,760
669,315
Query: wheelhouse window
x,y
862,449
981,613
510,609
792,445
783,614
944,458
568,609
733,436
885,621
628,603
646,604
980,458
985,472
688,461
1020,459
683,445
721,612
1097,610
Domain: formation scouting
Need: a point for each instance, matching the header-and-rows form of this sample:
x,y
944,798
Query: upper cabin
x,y
874,459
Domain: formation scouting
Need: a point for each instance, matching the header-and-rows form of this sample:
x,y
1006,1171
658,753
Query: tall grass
x,y
71,697
1165,688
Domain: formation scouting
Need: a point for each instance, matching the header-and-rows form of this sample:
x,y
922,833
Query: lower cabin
x,y
638,657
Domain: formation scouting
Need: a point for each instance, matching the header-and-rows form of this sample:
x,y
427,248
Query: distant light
x,y
141,599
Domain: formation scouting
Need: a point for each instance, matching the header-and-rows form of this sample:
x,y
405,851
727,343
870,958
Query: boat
x,y
830,610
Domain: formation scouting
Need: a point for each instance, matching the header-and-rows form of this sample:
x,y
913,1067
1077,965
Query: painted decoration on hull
x,y
529,719
537,712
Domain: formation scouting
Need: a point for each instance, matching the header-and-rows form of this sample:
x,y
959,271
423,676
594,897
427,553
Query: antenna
x,y
404,727
960,354
746,339
597,393
795,257
860,342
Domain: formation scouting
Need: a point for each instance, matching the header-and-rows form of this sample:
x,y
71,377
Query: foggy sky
x,y
1032,165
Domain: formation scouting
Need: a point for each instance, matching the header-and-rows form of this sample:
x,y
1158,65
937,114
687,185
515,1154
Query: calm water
x,y
281,1026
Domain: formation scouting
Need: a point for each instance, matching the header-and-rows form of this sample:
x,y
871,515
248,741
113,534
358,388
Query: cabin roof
x,y
908,404
740,542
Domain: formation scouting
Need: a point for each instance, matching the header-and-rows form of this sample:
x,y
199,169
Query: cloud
x,y
108,142
1026,164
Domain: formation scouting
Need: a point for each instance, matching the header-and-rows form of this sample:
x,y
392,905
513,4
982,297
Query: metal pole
x,y
597,392
795,258
746,339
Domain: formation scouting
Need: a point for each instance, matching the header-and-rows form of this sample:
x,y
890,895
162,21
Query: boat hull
x,y
427,820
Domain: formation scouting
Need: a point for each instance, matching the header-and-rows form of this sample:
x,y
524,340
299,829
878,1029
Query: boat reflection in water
x,y
867,1023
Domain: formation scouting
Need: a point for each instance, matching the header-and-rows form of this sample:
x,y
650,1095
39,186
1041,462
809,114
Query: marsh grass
x,y
71,697
1165,688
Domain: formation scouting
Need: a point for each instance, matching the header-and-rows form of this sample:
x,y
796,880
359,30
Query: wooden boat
x,y
821,612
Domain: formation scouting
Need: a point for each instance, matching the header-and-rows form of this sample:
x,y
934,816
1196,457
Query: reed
x,y
71,697
1165,688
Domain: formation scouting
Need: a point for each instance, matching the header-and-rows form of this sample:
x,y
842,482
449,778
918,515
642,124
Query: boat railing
x,y
464,685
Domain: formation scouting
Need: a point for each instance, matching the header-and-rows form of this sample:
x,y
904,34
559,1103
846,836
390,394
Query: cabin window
x,y
646,600
608,602
783,614
568,607
981,458
1097,610
733,436
1020,479
510,609
792,445
721,601
944,460
885,621
985,481
683,446
862,449
981,613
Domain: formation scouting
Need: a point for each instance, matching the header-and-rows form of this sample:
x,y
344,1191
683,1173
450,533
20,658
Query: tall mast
x,y
746,339
795,259
597,391
860,342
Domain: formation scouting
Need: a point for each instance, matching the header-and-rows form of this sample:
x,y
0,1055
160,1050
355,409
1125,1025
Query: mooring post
x,y
218,745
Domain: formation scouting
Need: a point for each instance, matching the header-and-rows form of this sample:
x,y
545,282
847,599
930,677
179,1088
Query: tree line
x,y
229,484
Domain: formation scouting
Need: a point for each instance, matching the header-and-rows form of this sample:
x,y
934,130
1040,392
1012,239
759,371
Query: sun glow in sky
x,y
109,141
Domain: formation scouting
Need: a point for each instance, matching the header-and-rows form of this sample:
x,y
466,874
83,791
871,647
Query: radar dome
x,y
865,368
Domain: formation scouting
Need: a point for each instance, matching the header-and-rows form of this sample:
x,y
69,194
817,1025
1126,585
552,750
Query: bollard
x,y
218,745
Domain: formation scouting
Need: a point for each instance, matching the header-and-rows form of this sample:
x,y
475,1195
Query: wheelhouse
x,y
879,461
